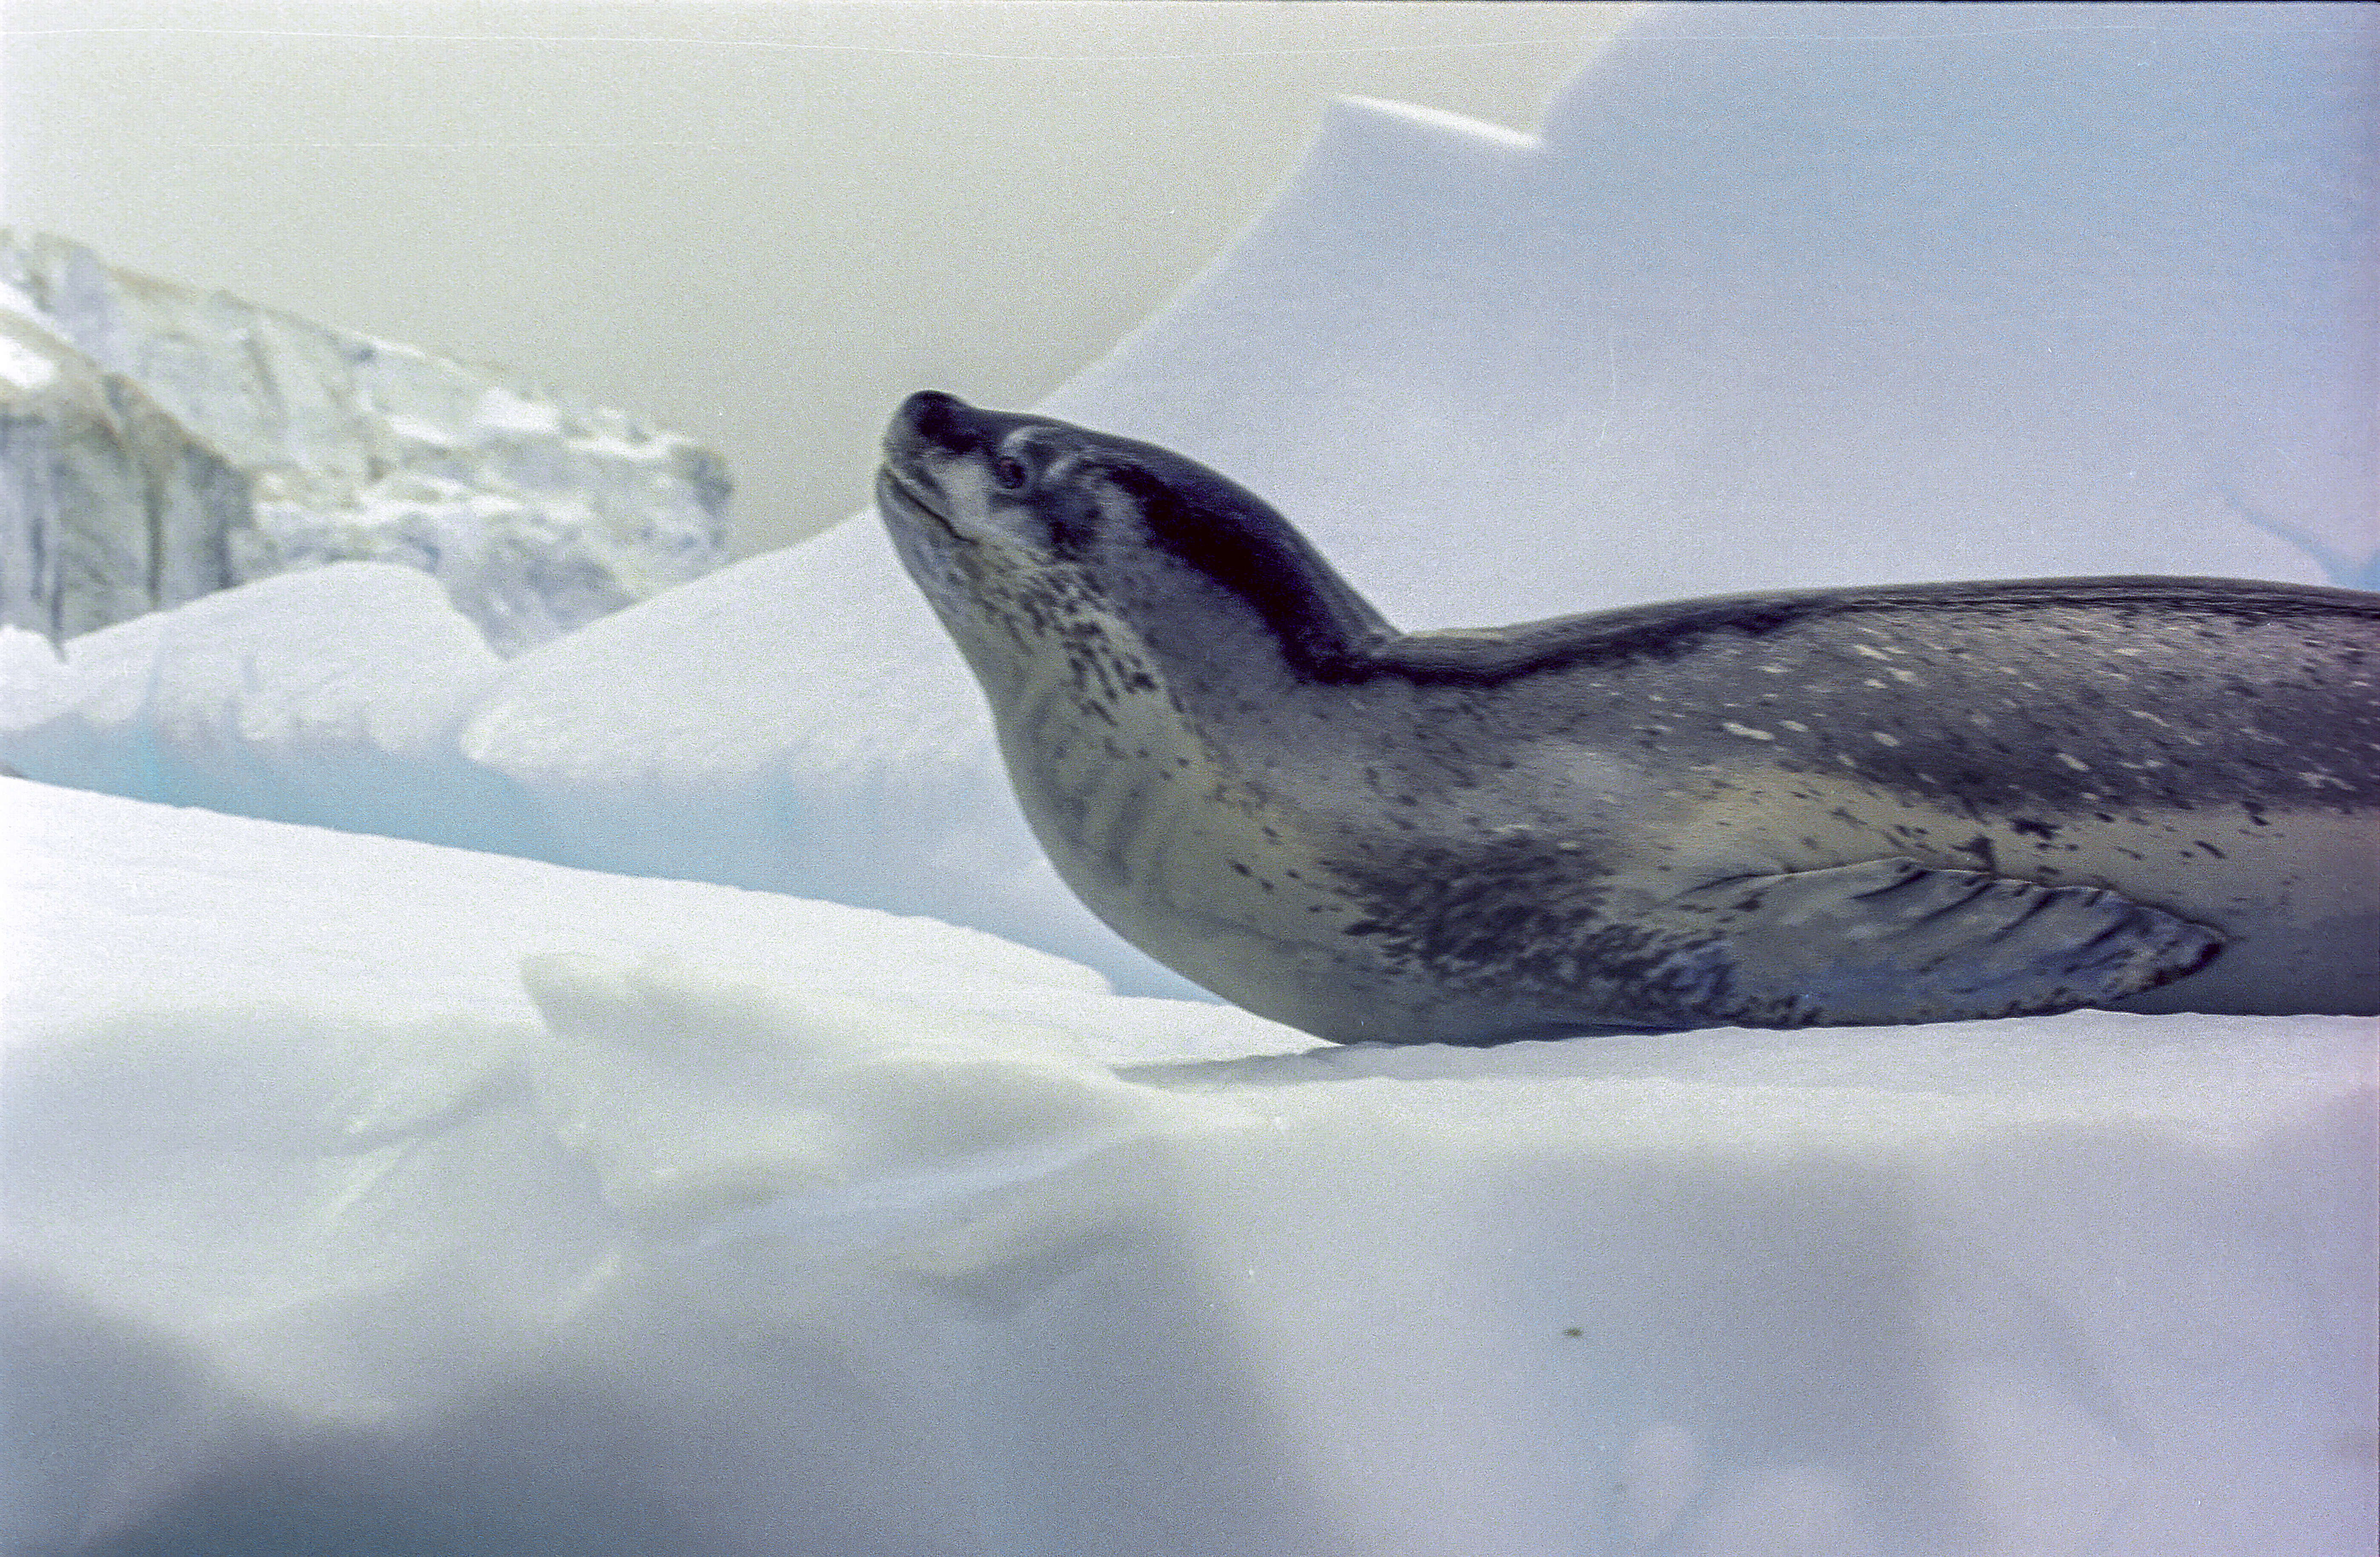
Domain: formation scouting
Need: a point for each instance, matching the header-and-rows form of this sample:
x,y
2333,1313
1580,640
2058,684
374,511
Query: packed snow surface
x,y
375,1194
364,1195
158,444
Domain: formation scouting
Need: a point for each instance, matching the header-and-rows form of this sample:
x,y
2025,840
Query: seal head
x,y
996,515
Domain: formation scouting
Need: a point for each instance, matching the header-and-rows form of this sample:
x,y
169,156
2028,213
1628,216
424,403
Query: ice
x,y
368,1195
557,1193
343,674
246,441
109,506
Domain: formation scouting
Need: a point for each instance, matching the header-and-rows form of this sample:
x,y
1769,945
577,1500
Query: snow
x,y
25,368
411,1187
452,1152
287,444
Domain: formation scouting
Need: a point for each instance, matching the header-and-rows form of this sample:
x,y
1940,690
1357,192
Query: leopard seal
x,y
1905,803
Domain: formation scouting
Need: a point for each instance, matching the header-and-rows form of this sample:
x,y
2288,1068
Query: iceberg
x,y
698,1121
159,444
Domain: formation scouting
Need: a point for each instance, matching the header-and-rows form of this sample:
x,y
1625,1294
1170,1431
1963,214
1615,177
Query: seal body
x,y
1898,804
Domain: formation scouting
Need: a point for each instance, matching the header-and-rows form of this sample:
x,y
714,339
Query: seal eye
x,y
1010,475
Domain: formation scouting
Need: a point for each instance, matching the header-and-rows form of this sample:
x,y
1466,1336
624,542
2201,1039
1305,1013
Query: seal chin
x,y
898,497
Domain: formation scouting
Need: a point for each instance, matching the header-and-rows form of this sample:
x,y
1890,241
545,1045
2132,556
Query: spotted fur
x,y
1900,803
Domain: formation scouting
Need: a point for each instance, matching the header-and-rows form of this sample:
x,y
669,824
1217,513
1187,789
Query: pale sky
x,y
760,224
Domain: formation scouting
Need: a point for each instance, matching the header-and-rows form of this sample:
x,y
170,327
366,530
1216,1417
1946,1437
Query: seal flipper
x,y
1891,941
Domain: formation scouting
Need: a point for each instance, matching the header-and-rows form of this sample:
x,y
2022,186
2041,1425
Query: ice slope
x,y
171,443
1783,296
371,1196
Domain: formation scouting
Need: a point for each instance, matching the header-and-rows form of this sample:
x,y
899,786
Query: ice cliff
x,y
158,444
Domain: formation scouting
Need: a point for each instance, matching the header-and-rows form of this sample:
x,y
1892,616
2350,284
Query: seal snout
x,y
931,438
932,419
923,433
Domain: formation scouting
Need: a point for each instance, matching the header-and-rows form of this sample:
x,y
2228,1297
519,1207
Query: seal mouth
x,y
902,494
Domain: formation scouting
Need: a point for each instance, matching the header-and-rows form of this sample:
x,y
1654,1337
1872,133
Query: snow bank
x,y
1783,297
322,696
364,1195
159,444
